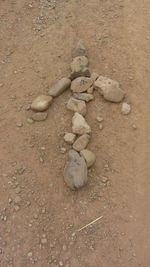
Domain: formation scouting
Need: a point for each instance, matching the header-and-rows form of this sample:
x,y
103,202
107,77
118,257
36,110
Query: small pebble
x,y
99,119
30,121
19,124
39,116
125,109
61,263
101,126
9,200
30,254
41,103
63,150
69,138
134,126
104,179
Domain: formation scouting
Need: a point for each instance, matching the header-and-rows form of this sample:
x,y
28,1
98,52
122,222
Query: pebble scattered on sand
x,y
41,103
69,138
125,109
39,116
77,106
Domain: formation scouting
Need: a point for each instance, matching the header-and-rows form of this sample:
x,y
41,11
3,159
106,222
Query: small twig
x,y
90,223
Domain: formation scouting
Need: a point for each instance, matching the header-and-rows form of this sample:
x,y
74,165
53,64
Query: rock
x,y
63,150
94,76
39,116
75,172
69,138
99,119
125,109
75,74
101,126
83,96
59,87
61,263
81,142
79,63
79,125
89,157
90,90
104,179
77,106
30,121
19,124
41,103
30,254
134,126
79,50
109,89
81,84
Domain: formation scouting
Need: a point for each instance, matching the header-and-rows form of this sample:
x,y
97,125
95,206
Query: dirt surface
x,y
39,215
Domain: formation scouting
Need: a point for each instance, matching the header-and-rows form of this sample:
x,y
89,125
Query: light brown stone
x,y
41,103
81,84
77,106
79,125
59,87
81,143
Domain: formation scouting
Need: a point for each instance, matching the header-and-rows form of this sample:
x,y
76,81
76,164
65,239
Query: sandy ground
x,y
39,215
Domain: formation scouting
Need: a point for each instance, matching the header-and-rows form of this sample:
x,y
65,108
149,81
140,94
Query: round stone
x,y
41,103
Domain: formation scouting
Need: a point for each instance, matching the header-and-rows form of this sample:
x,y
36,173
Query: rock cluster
x,y
82,84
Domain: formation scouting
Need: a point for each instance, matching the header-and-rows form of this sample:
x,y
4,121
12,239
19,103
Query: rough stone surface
x,y
79,50
41,103
81,142
75,172
39,116
77,106
83,96
79,63
125,109
89,157
81,84
94,76
59,87
83,73
69,138
109,89
90,90
79,125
